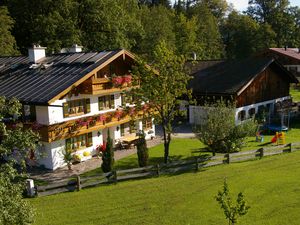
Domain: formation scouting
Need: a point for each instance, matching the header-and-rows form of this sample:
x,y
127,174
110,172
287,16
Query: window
x,y
76,107
78,142
147,124
242,115
251,112
128,128
106,102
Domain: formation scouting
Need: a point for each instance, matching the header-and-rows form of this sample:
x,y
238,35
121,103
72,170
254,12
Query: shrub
x,y
219,131
108,155
232,212
142,150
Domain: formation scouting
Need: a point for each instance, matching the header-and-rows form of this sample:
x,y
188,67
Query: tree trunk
x,y
167,140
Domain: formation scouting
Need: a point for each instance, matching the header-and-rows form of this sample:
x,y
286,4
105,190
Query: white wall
x,y
198,113
48,115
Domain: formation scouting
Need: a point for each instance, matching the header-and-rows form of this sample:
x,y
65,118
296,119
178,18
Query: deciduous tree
x,y
160,87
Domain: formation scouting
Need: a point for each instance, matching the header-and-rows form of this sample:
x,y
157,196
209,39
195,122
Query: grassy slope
x,y
271,186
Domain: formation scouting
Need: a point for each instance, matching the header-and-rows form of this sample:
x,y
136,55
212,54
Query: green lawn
x,y
181,148
271,187
295,93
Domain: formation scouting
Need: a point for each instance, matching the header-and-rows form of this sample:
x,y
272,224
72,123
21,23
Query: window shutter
x,y
87,107
112,101
66,109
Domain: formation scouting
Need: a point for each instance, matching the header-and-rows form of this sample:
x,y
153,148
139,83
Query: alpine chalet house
x,y
288,57
255,84
73,99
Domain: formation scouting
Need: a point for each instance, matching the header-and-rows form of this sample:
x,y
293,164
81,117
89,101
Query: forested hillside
x,y
210,28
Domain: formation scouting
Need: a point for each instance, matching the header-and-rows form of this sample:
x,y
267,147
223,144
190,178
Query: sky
x,y
242,4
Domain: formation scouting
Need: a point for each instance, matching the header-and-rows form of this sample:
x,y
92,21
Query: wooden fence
x,y
195,164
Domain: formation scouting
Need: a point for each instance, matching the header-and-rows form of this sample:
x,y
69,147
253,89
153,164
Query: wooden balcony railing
x,y
88,124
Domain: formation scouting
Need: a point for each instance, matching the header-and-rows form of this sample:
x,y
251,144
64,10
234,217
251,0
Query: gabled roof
x,y
289,52
42,83
229,78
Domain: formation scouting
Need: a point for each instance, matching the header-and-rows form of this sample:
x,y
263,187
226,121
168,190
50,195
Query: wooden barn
x,y
253,83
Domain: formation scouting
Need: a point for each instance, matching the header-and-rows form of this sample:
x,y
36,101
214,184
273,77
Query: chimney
x,y
299,50
285,48
194,56
36,53
75,48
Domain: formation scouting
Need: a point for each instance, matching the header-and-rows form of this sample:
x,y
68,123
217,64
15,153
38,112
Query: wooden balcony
x,y
102,86
81,126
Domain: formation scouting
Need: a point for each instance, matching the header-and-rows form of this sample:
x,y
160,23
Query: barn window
x,y
242,115
251,112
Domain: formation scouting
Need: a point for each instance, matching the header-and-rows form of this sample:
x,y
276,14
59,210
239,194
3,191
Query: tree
x,y
7,41
107,24
15,147
219,131
160,87
232,212
243,36
186,36
157,28
108,155
142,150
208,33
277,14
46,22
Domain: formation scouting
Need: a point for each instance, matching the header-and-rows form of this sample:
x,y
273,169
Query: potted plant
x,y
102,118
117,81
68,158
118,114
126,80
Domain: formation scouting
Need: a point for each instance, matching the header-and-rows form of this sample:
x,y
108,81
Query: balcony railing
x,y
88,124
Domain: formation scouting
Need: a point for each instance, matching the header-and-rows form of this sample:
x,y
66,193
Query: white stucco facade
x,y
197,114
50,155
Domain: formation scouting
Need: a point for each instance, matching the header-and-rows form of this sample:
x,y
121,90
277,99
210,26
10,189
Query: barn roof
x,y
229,77
39,83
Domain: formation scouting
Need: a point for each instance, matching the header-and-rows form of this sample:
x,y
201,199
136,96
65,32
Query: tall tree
x,y
160,87
208,33
47,22
109,24
243,36
16,144
276,14
157,28
186,36
7,41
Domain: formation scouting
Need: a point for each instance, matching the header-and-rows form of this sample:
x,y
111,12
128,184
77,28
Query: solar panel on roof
x,y
85,57
72,57
97,57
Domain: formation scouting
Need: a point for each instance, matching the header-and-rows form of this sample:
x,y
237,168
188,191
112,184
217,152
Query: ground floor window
x,y
147,124
128,128
242,115
78,142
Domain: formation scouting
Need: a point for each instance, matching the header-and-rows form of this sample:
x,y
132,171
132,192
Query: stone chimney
x,y
36,53
75,48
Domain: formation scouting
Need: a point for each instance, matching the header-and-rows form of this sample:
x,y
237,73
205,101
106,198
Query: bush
x,y
142,150
108,155
219,131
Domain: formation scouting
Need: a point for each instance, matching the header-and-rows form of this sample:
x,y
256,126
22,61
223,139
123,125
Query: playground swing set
x,y
278,123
